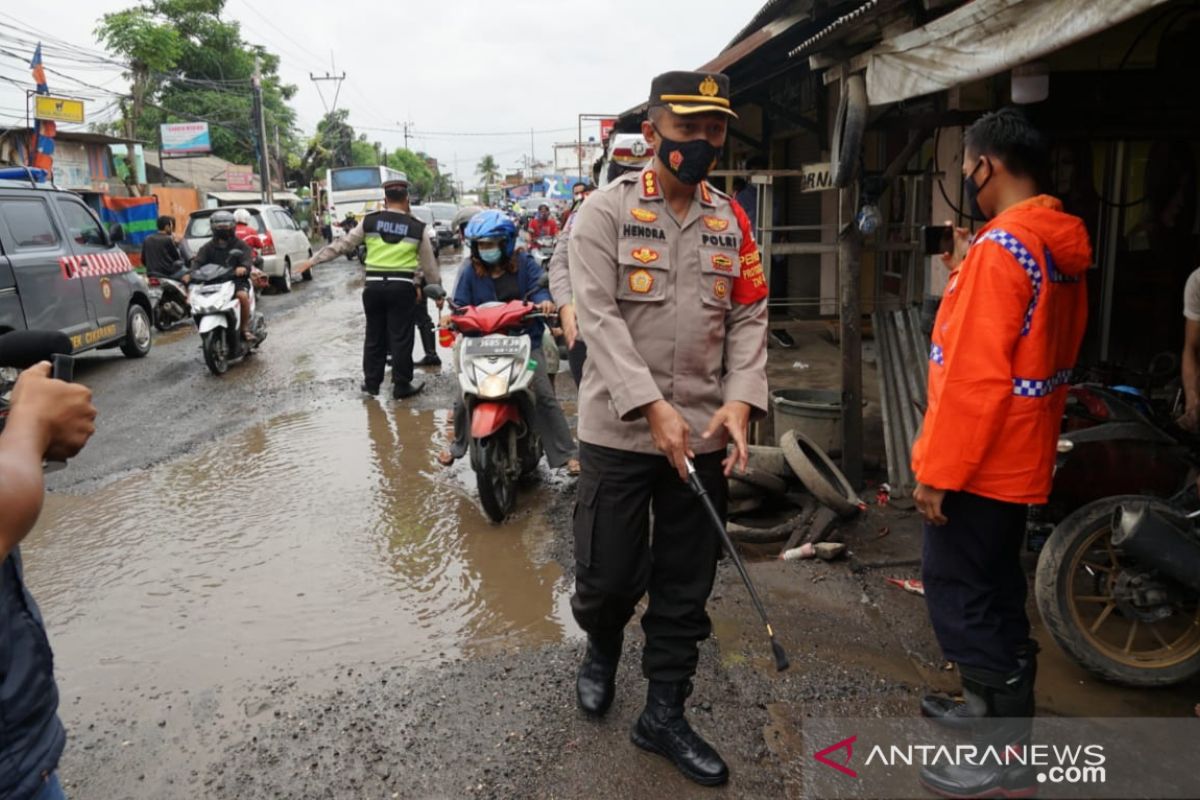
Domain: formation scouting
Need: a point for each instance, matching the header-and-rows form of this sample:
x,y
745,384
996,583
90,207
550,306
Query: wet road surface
x,y
262,585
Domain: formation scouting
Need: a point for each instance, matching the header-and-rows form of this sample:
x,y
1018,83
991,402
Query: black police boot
x,y
430,360
1002,738
662,729
961,714
596,682
407,389
371,390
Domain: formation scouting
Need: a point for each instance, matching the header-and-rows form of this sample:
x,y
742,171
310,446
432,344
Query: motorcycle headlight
x,y
493,386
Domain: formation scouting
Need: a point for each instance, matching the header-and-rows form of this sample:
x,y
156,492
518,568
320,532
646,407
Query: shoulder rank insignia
x,y
645,255
641,281
649,184
643,215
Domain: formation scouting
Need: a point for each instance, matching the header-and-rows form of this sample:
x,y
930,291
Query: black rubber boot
x,y
596,683
371,390
961,714
663,729
430,360
407,389
1007,727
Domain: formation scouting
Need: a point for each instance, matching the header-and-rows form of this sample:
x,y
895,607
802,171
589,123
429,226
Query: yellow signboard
x,y
59,109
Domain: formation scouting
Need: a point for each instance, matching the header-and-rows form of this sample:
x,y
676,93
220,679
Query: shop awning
x,y
252,197
981,39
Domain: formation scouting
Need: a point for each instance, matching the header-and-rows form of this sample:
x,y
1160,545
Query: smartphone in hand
x,y
937,239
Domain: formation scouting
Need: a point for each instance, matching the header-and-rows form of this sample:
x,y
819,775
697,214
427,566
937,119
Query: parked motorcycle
x,y
169,298
495,369
1118,577
217,312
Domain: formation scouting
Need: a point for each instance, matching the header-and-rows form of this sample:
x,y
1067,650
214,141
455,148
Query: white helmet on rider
x,y
242,217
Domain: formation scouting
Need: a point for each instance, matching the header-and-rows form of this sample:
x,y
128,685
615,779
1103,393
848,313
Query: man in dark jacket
x,y
160,253
48,419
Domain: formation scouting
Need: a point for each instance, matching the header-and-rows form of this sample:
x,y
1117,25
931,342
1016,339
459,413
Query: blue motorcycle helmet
x,y
492,224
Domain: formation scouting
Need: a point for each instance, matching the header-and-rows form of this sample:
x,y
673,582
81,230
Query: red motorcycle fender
x,y
487,418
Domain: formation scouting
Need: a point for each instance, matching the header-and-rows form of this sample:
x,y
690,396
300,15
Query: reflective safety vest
x,y
393,241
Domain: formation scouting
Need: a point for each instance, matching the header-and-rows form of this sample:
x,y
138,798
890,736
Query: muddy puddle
x,y
315,539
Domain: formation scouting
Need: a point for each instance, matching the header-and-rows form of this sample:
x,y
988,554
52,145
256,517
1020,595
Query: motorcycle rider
x,y
218,250
1005,341
543,224
160,251
495,272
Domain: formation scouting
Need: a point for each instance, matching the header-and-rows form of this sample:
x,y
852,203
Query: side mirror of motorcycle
x,y
435,292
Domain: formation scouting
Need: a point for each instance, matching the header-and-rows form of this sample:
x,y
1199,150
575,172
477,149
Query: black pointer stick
x,y
781,659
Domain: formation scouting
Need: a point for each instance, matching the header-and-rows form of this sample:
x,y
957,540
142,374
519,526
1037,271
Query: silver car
x,y
285,245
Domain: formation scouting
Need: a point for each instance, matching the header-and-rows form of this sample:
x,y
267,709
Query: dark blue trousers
x,y
975,588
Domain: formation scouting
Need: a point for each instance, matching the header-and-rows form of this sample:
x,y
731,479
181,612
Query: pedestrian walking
x,y
399,261
671,298
1004,344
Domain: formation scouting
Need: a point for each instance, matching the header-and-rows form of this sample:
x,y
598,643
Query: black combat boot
x,y
662,729
597,680
407,389
960,714
1004,734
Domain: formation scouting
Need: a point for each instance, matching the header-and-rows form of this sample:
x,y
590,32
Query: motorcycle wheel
x,y
159,322
494,476
216,354
1079,589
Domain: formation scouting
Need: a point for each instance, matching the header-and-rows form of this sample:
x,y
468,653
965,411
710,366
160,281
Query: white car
x,y
284,244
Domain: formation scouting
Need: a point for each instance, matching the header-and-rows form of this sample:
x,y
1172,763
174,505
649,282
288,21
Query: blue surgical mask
x,y
490,256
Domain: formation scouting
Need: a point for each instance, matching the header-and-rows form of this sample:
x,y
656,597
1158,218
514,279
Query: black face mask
x,y
690,162
971,191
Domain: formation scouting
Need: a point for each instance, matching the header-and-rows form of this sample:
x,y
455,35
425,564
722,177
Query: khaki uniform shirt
x,y
560,278
671,310
427,273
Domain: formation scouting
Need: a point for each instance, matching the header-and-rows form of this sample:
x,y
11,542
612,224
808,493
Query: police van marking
x,y
94,265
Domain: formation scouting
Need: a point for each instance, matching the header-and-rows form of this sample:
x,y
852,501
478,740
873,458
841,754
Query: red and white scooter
x,y
495,369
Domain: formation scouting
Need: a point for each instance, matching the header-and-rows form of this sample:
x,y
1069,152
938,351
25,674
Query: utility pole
x,y
279,160
405,135
264,159
328,76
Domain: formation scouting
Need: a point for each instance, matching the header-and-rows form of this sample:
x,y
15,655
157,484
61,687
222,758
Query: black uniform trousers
x,y
390,306
425,327
618,558
576,358
975,588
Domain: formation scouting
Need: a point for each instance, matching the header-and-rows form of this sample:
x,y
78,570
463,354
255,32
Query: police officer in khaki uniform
x,y
672,301
400,261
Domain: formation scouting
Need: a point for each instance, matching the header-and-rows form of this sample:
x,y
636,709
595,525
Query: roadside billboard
x,y
239,178
179,138
59,109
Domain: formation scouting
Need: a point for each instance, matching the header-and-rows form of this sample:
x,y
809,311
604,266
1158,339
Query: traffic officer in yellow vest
x,y
400,261
672,301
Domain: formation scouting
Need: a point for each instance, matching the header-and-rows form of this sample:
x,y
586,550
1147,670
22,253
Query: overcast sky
x,y
448,67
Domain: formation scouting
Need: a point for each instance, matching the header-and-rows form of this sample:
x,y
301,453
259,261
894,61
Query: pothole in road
x,y
315,539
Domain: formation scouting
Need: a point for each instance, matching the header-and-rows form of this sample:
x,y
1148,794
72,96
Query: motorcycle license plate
x,y
493,346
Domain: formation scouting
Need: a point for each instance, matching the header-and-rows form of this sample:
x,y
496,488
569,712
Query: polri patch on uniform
x,y
720,288
643,215
716,224
641,281
644,255
722,263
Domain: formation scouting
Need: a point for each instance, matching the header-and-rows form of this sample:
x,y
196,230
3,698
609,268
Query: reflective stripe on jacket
x,y
1004,343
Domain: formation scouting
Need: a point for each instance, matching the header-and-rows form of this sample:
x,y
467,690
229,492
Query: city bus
x,y
356,190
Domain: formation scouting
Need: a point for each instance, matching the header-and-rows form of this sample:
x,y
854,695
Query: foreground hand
x,y
61,414
1190,421
962,243
735,419
240,272
303,266
566,315
929,503
671,434
546,307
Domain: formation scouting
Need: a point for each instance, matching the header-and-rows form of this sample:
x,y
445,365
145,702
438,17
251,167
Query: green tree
x,y
203,73
420,176
488,169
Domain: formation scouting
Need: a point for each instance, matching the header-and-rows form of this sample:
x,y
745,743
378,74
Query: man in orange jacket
x,y
1004,344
